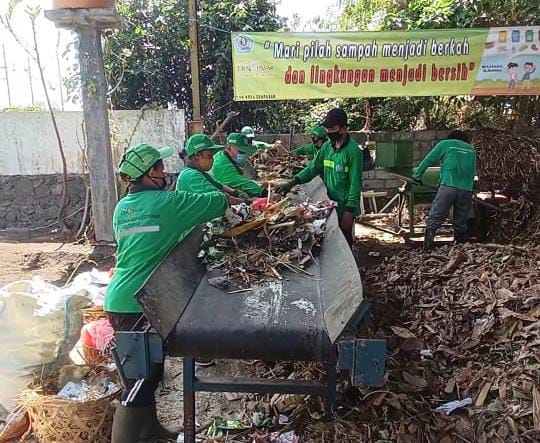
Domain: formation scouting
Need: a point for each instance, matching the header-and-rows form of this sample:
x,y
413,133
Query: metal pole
x,y
7,75
194,51
189,400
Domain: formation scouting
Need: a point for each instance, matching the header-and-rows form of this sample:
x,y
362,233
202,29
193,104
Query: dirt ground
x,y
57,262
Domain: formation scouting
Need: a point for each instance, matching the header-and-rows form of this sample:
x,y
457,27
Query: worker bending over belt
x,y
339,162
457,158
194,177
256,145
227,168
318,137
147,223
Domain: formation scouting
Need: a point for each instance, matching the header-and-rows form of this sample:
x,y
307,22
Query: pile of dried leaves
x,y
508,163
462,322
285,236
511,165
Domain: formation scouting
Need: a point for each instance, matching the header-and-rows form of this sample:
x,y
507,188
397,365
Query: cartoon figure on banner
x,y
529,68
513,71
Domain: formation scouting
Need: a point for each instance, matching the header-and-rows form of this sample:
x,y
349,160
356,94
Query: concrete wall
x,y
378,179
30,163
28,144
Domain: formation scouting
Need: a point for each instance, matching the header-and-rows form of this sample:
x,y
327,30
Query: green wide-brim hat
x,y
138,159
240,141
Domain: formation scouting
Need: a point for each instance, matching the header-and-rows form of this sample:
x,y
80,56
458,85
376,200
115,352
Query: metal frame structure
x,y
194,384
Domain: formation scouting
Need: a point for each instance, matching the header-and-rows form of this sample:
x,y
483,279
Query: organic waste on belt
x,y
250,245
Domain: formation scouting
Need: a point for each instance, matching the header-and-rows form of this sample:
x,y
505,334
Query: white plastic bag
x,y
39,324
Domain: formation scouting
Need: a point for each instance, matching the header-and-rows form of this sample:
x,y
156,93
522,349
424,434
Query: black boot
x,y
429,239
127,424
461,237
152,429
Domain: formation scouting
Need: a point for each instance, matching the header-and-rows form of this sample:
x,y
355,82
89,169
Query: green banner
x,y
281,66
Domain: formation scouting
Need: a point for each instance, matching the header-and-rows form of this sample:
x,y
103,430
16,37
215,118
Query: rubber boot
x,y
152,429
127,424
461,237
429,240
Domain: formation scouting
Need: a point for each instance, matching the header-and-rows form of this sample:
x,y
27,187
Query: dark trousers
x,y
460,201
146,393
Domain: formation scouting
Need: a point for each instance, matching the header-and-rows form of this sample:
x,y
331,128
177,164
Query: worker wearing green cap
x,y
318,137
147,223
256,145
200,150
339,162
227,168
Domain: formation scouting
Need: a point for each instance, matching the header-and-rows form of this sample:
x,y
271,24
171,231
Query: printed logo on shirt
x,y
328,164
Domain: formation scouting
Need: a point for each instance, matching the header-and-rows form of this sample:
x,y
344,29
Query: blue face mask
x,y
240,159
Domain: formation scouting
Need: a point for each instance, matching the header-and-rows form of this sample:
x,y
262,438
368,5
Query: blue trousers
x,y
457,199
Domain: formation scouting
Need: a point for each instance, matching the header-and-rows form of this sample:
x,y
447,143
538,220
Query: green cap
x,y
138,159
240,141
318,131
200,142
248,131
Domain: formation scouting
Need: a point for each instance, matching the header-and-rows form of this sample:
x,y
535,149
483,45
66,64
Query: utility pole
x,y
5,68
196,124
89,23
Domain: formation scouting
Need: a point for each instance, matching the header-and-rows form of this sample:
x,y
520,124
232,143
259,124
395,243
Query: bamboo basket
x,y
53,419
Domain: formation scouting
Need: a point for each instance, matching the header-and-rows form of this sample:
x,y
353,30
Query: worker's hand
x,y
235,200
347,221
285,187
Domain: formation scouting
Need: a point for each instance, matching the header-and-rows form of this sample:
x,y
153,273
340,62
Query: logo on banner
x,y
243,44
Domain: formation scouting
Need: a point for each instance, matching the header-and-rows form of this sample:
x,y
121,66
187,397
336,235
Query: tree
x,y
520,113
148,61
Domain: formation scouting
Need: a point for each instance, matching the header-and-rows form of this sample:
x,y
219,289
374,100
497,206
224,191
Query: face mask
x,y
157,181
334,136
240,159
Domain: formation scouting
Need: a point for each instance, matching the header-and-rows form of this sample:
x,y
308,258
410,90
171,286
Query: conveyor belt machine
x,y
299,318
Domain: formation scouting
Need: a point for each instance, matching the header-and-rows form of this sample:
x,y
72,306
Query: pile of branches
x,y
276,164
509,164
282,237
462,323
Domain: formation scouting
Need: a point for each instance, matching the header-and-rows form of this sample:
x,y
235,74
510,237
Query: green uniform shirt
x,y
458,164
193,180
341,171
147,225
258,146
309,150
228,173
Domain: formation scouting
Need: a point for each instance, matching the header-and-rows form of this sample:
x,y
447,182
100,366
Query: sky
x,y
58,56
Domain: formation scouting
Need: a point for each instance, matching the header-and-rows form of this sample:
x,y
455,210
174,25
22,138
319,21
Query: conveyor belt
x,y
298,318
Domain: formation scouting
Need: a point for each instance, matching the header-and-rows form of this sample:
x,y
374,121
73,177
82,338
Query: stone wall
x,y
33,201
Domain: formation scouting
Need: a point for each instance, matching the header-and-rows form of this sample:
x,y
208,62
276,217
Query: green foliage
x,y
148,62
406,113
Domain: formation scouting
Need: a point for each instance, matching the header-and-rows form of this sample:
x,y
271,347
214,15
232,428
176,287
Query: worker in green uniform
x,y
147,223
257,145
457,158
200,150
318,137
227,168
339,162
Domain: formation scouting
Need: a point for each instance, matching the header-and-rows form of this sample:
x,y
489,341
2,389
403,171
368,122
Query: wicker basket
x,y
56,420
93,313
94,357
